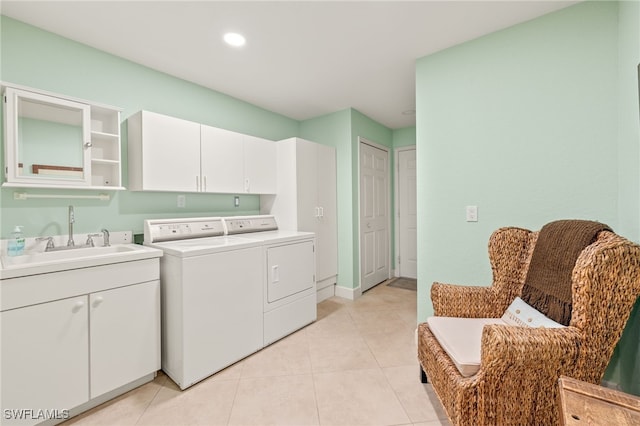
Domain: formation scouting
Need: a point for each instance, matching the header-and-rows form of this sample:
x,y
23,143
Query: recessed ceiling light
x,y
409,112
235,39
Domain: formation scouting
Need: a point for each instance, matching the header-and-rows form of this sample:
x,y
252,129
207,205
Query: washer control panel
x,y
243,224
159,230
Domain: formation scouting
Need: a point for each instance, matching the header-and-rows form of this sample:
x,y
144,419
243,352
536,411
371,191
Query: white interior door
x,y
407,218
374,215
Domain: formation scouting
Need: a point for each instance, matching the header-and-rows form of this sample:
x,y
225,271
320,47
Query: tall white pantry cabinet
x,y
306,201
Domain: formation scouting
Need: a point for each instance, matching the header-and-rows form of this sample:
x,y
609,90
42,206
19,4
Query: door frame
x,y
396,204
365,141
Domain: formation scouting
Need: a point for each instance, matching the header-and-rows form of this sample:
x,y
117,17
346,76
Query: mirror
x,y
49,140
46,138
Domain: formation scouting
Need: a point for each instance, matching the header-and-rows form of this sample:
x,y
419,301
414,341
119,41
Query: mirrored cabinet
x,y
53,141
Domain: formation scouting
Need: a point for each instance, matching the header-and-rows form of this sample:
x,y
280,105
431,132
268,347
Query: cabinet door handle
x,y
317,212
321,211
204,183
98,301
197,183
246,185
77,306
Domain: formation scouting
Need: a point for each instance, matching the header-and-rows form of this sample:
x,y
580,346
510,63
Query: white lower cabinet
x,y
44,359
59,357
124,335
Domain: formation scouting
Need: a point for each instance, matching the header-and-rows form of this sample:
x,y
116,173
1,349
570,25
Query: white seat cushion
x,y
460,338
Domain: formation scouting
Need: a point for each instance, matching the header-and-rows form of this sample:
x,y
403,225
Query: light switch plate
x,y
472,213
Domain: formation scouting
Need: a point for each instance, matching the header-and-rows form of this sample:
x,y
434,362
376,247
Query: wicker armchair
x,y
517,383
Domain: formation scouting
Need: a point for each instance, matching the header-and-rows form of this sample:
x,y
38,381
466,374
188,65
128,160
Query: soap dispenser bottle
x,y
15,246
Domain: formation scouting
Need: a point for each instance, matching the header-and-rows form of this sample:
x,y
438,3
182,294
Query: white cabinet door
x,y
326,231
170,153
316,194
44,357
312,196
222,160
307,179
260,165
125,335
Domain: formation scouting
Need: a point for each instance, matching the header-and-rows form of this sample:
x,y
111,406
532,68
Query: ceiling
x,y
302,59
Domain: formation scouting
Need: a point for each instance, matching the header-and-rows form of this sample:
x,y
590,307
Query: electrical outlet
x,y
182,201
236,201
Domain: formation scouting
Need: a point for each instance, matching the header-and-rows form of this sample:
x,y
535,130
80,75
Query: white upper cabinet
x,y
164,153
222,160
53,141
170,154
260,165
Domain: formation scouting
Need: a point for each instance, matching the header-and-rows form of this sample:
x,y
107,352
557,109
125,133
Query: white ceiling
x,y
302,59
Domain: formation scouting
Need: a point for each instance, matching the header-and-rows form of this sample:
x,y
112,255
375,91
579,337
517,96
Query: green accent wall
x,y
533,123
404,137
625,363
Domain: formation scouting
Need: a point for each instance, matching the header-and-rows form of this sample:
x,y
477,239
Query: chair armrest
x,y
511,346
518,364
451,300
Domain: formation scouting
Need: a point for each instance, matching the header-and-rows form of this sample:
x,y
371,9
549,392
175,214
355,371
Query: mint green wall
x,y
625,364
38,59
404,137
525,124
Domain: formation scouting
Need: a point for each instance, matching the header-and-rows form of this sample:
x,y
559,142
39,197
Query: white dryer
x,y
212,296
289,296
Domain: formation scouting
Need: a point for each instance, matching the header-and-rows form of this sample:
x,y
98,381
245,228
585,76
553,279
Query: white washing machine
x,y
212,296
289,297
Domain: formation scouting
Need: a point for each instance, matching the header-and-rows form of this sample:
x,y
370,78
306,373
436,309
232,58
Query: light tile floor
x,y
356,365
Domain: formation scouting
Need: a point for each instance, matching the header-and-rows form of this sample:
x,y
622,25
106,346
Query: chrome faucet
x,y
90,238
49,240
105,235
72,219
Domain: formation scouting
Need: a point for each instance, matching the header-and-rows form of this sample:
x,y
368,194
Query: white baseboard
x,y
348,293
325,293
